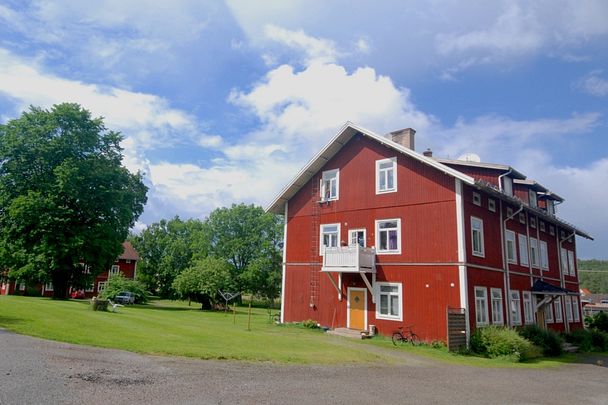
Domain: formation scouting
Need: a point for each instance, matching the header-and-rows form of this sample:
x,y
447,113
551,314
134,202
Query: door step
x,y
350,333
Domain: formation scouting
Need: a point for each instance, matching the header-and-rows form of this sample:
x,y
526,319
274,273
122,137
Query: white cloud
x,y
210,141
146,118
593,84
315,49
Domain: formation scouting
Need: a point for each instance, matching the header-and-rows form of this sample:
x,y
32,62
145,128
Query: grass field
x,y
174,328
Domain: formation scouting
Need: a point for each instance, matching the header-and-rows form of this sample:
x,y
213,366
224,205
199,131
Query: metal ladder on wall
x,y
315,219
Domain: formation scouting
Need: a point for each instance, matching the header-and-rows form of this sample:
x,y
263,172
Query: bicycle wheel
x,y
398,338
414,339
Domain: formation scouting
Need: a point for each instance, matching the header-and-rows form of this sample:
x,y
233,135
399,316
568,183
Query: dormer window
x,y
507,185
533,198
330,185
550,207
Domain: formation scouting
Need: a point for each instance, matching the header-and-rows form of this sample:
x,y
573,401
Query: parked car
x,y
77,294
125,297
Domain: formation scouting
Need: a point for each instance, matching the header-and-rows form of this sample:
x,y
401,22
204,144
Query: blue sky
x,y
223,102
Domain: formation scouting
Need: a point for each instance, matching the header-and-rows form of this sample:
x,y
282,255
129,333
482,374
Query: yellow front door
x,y
356,309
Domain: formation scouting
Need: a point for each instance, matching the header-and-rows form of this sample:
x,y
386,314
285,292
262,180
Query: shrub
x,y
598,321
497,341
310,323
599,340
118,283
547,340
580,338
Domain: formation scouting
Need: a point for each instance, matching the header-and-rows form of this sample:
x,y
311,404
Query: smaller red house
x,y
126,264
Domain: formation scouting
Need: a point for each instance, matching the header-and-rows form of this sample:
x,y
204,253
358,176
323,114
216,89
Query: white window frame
x,y
576,309
491,205
544,255
481,251
568,305
524,256
509,212
48,287
515,307
399,294
549,313
510,242
571,263
528,308
91,288
497,311
476,198
564,260
533,222
322,233
385,173
541,226
378,231
355,232
21,285
101,286
327,178
534,257
551,230
559,318
479,302
522,218
115,269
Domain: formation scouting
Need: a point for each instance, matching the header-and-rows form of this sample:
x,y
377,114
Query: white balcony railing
x,y
349,259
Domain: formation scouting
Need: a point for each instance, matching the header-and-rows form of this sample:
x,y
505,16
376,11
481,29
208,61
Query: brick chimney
x,y
404,137
428,152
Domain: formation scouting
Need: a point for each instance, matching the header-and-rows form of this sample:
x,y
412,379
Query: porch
x,y
353,260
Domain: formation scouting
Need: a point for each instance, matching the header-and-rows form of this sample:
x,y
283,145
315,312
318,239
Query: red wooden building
x,y
126,264
377,234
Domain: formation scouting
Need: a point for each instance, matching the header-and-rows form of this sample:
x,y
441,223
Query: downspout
x,y
505,262
500,179
563,282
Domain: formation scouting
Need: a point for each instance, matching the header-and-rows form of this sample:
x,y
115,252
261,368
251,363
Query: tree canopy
x,y
65,198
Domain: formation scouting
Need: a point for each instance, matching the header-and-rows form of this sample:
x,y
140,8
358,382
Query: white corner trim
x,y
462,255
284,264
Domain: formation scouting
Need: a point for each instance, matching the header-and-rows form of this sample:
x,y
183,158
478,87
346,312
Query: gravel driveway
x,y
36,371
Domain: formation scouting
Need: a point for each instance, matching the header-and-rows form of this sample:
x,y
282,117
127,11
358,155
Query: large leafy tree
x,y
166,249
203,281
65,198
244,234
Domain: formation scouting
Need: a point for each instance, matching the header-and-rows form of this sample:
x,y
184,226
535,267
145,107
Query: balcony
x,y
349,259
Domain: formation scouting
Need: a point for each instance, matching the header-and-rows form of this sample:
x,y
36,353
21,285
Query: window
x,y
551,230
491,205
541,224
127,261
568,304
388,236
571,262
550,207
21,286
90,288
48,287
101,286
356,237
528,308
562,234
532,222
533,198
523,250
476,199
507,185
481,306
544,255
564,257
390,301
575,309
330,237
330,185
510,246
549,312
477,236
534,252
558,310
115,269
522,217
386,175
509,212
497,318
515,308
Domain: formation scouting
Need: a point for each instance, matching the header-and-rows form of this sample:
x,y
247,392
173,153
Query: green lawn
x,y
174,328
